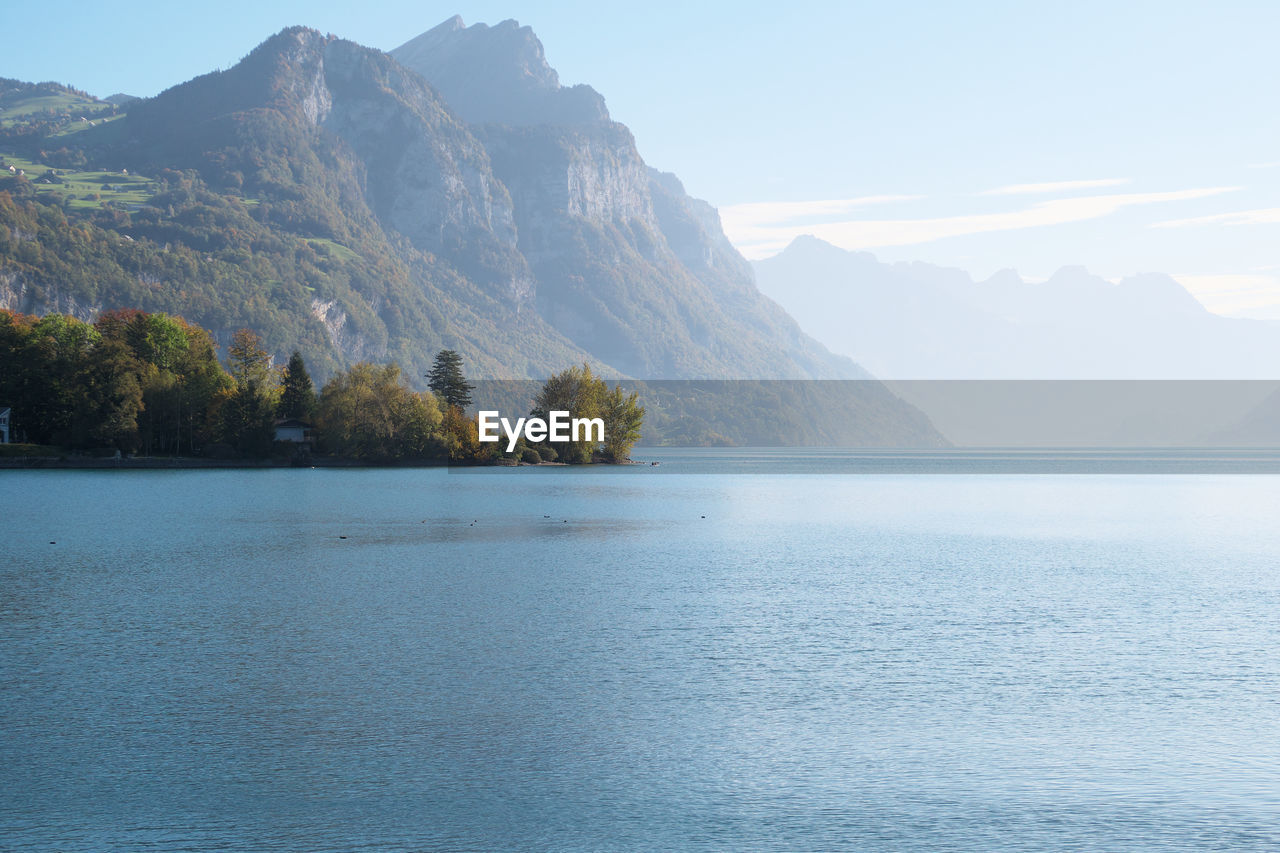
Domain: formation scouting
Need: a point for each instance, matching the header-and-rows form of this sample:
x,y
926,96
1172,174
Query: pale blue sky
x,y
902,117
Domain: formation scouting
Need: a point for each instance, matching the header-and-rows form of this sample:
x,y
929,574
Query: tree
x,y
579,393
248,415
42,382
179,374
369,413
297,396
447,382
623,416
583,395
460,438
109,400
204,383
157,339
247,361
130,377
159,344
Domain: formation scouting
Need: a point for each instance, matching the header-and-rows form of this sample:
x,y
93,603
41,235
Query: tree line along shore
x,y
151,387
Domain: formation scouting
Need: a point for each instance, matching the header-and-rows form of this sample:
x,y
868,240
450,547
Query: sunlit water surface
x,y
702,655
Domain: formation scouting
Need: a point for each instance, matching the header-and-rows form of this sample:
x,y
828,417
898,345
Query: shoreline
x,y
144,463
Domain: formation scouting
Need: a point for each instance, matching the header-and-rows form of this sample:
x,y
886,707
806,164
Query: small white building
x,y
4,424
293,430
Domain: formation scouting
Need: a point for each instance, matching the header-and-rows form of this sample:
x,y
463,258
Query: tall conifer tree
x,y
297,396
447,382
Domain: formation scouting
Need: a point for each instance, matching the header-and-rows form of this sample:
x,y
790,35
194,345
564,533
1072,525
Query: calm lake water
x,y
704,655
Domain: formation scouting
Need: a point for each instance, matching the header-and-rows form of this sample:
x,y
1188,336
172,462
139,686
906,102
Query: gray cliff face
x,y
420,170
425,175
310,84
560,175
18,294
606,179
694,233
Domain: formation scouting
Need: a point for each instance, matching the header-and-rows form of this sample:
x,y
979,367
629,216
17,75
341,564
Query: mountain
x,y
609,240
919,321
360,205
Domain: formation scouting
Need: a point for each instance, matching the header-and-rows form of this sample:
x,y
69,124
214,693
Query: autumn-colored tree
x,y
583,395
368,412
578,392
247,360
204,382
623,416
460,439
248,415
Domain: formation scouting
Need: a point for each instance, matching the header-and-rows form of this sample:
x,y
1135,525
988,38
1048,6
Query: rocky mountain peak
x,y
452,25
1004,278
498,75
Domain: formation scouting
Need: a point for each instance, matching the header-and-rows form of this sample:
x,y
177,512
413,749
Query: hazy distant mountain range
x,y
919,321
364,205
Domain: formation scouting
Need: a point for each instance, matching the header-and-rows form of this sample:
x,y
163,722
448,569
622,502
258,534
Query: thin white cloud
x,y
778,212
754,227
1258,216
1235,294
758,237
1271,165
1056,186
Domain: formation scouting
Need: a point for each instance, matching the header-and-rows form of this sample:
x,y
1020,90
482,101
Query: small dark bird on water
x,y
342,537
53,543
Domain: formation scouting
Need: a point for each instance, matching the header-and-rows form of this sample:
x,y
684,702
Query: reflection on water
x,y
635,658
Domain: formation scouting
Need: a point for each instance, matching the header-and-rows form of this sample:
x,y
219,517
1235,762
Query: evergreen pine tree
x,y
297,396
446,380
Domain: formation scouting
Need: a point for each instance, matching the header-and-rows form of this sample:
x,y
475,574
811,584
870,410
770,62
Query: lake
x,y
731,651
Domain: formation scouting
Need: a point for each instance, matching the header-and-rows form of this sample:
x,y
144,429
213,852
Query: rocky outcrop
x,y
18,294
426,175
693,231
556,175
342,336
